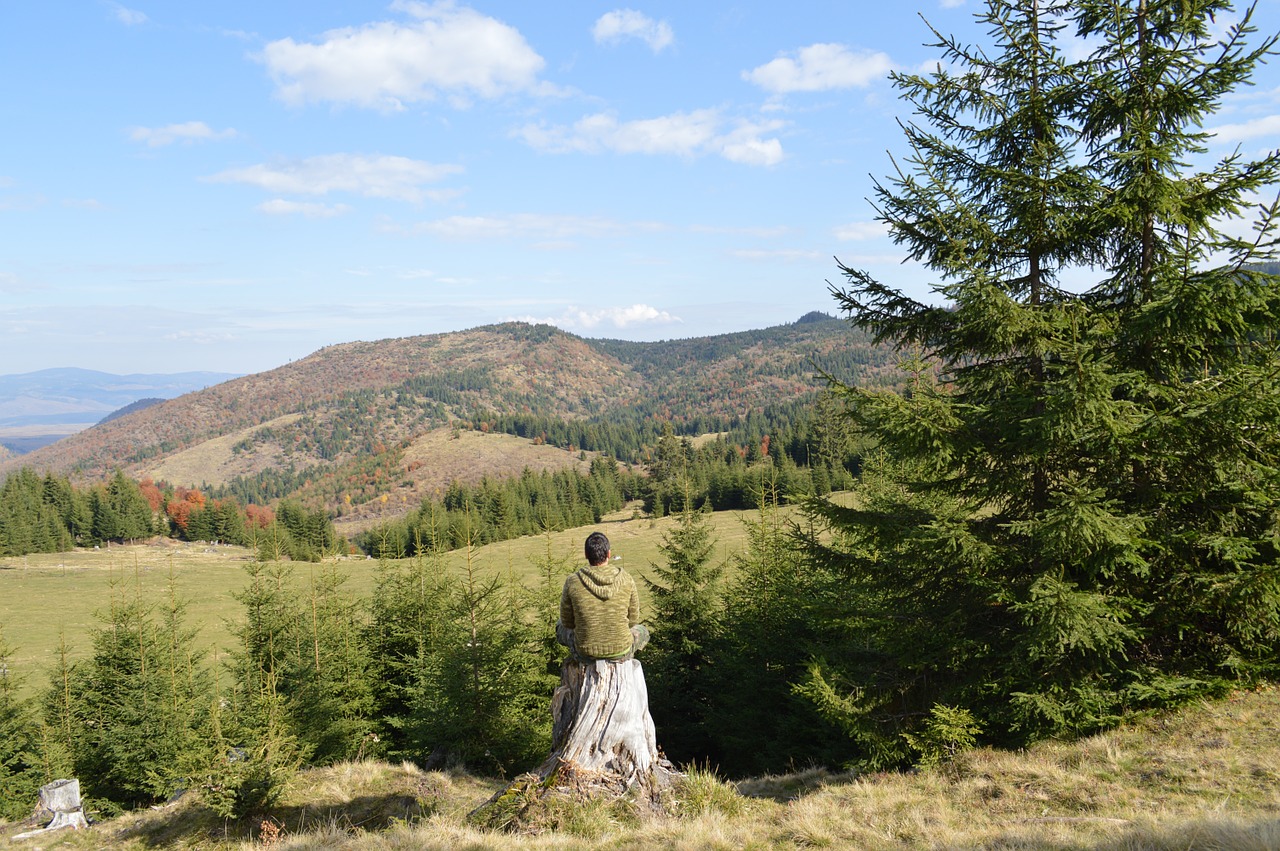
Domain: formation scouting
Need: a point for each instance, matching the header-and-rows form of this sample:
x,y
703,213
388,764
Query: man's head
x,y
597,548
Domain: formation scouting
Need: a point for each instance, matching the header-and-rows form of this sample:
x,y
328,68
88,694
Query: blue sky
x,y
230,185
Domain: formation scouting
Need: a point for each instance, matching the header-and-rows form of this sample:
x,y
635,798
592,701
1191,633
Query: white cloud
x,y
1266,126
620,317
820,67
190,131
788,254
128,17
201,337
685,134
614,26
951,4
760,232
312,210
11,283
858,231
452,50
526,226
397,178
578,319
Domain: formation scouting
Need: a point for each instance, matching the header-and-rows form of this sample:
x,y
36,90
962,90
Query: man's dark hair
x,y
597,548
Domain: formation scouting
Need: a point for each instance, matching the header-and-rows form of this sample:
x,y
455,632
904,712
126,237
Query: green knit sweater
x,y
600,604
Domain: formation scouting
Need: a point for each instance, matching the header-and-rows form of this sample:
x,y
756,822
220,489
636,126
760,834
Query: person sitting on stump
x,y
600,609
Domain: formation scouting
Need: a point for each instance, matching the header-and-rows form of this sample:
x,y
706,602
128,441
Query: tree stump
x,y
61,801
602,744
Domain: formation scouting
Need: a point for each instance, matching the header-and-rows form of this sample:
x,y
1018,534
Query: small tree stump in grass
x,y
602,744
59,800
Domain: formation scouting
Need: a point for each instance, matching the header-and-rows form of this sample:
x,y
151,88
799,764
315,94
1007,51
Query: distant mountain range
x,y
37,408
381,418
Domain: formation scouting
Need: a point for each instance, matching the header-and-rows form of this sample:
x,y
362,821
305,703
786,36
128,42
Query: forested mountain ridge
x,y
351,414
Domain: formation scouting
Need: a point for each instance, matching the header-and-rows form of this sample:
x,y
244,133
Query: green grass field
x,y
48,597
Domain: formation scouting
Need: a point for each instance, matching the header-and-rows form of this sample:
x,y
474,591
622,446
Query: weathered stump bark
x,y
602,744
60,802
601,722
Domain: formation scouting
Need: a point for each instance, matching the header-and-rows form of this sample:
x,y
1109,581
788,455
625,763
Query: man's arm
x,y
566,607
633,607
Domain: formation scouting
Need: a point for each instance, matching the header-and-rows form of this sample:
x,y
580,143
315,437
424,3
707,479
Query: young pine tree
x,y
756,722
327,673
140,701
481,694
60,718
1077,518
255,738
406,627
686,623
20,776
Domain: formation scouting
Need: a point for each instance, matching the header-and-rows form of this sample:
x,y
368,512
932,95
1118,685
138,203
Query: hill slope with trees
x,y
354,422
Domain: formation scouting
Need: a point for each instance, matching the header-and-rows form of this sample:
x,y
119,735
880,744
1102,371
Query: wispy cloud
x,y
760,232
448,49
396,178
785,254
1266,126
309,209
128,17
200,336
820,67
527,226
685,134
858,231
586,319
190,131
613,27
20,202
12,284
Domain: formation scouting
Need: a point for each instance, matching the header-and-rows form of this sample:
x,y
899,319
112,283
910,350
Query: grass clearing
x,y
214,462
44,597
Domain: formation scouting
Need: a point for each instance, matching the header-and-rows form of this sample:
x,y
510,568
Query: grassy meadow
x,y
1203,778
1206,777
46,598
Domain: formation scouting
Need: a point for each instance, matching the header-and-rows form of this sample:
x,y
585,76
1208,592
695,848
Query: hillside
x,y
1203,778
131,408
357,422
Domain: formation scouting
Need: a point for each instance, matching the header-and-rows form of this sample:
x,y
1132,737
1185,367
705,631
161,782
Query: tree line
x,y
44,514
803,451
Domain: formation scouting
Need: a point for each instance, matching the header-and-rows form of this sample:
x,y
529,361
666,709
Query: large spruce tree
x,y
1073,512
